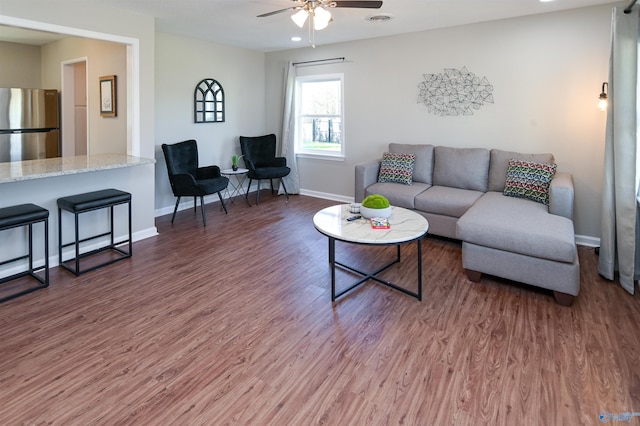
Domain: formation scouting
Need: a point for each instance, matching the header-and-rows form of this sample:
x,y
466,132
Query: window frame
x,y
318,153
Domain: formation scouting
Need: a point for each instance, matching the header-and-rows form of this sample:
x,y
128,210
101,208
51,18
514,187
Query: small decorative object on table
x,y
375,205
234,161
380,223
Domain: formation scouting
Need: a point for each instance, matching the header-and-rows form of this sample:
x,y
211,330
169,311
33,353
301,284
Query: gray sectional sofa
x,y
460,192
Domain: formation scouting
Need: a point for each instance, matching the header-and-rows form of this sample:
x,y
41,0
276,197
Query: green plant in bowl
x,y
375,205
376,201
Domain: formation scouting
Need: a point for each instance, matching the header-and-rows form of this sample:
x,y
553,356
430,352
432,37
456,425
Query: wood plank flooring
x,y
233,324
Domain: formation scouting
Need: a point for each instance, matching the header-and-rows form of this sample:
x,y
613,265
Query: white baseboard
x,y
187,202
326,196
583,240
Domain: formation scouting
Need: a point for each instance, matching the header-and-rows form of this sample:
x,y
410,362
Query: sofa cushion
x,y
518,225
423,169
446,200
500,163
398,195
526,179
464,168
397,168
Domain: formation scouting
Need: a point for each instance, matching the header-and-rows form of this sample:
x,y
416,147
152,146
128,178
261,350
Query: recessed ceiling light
x,y
378,18
545,1
296,38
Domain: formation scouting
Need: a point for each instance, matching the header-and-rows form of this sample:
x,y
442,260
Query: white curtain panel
x,y
287,148
619,249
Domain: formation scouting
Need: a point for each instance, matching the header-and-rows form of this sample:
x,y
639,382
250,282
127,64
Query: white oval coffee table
x,y
406,226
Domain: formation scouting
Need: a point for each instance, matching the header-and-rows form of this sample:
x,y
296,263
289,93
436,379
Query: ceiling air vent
x,y
378,18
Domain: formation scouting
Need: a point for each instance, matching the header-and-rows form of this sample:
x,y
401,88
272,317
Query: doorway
x,y
74,119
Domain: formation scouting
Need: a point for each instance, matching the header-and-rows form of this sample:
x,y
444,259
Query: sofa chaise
x,y
526,235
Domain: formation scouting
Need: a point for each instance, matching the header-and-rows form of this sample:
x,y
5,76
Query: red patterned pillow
x,y
526,179
397,168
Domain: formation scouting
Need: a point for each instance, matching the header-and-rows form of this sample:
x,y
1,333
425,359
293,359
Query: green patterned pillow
x,y
526,179
397,168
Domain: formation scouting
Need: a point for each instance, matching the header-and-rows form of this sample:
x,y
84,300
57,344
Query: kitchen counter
x,y
50,167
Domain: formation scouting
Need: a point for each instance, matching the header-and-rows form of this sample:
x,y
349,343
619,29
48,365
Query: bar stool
x,y
82,203
26,215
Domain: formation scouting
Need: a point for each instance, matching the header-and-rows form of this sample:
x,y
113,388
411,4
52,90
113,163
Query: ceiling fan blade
x,y
361,4
275,12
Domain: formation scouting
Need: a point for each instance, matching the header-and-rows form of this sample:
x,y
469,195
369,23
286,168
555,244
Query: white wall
x,y
546,71
107,135
181,63
19,65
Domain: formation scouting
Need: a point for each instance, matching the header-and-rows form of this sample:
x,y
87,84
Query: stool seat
x,y
93,200
21,214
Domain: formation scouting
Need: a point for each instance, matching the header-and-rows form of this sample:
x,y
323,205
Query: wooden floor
x,y
233,324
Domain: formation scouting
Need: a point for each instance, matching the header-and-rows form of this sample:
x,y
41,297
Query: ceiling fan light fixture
x,y
300,17
321,18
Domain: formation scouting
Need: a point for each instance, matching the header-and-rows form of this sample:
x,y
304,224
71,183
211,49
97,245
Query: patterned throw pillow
x,y
526,179
397,168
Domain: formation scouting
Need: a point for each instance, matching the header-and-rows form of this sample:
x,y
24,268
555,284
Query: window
x,y
319,126
208,102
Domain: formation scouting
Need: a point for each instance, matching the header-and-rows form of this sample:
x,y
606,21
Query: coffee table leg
x,y
419,269
332,263
373,275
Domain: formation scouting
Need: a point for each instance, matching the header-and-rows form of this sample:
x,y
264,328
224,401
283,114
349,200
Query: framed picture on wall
x,y
108,103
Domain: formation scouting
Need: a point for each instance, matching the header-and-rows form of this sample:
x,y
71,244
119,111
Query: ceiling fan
x,y
318,10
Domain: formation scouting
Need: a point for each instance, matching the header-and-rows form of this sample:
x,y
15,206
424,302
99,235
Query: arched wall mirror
x,y
208,102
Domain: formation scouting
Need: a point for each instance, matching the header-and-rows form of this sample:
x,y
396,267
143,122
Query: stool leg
x,y
59,236
77,234
130,233
30,248
46,252
111,224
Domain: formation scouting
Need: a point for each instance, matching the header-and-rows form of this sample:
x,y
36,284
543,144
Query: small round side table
x,y
237,184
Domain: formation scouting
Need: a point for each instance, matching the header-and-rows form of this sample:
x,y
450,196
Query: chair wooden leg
x,y
246,194
222,201
204,217
271,181
285,188
175,210
258,193
195,204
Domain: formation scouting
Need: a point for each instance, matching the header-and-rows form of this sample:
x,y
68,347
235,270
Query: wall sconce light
x,y
603,96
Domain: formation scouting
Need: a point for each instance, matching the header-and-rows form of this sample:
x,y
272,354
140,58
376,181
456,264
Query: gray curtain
x,y
619,249
287,148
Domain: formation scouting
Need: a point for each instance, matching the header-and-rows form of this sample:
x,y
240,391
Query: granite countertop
x,y
50,167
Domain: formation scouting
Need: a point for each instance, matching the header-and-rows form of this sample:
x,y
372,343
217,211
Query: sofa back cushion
x,y
464,168
423,167
500,163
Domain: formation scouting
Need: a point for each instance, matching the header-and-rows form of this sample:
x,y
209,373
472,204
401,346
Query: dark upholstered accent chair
x,y
259,154
189,180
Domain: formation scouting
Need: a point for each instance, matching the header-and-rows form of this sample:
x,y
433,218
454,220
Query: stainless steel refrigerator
x,y
29,124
